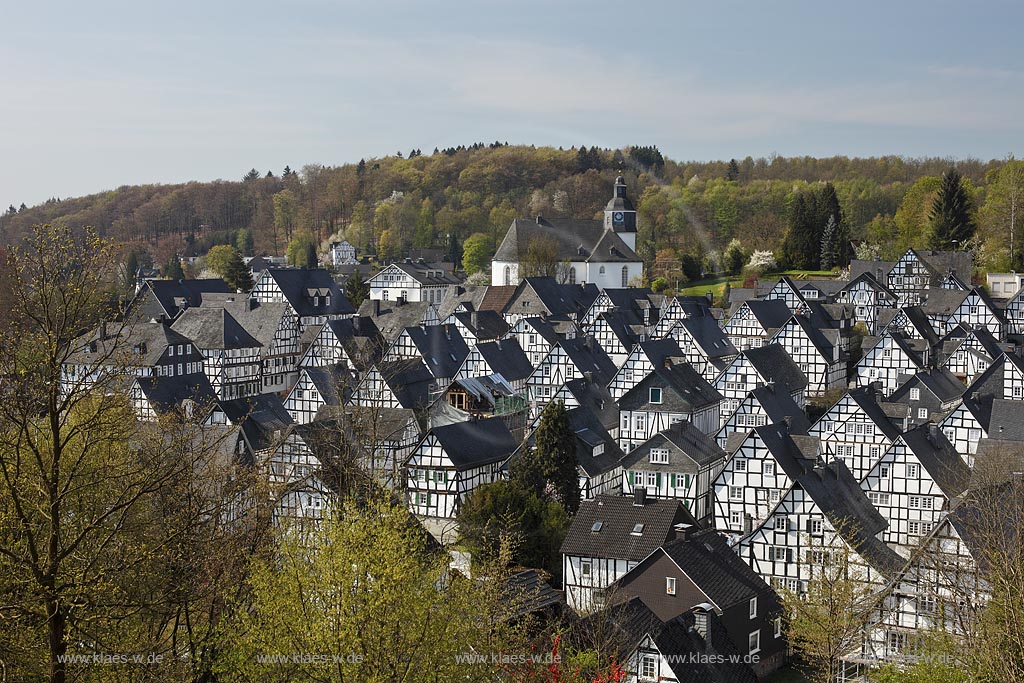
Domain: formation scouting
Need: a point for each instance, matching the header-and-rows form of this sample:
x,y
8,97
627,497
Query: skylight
x,y
597,526
638,530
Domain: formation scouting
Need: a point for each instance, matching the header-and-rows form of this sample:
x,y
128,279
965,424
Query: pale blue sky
x,y
98,94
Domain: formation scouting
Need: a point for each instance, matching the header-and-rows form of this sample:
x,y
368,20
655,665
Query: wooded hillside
x,y
390,204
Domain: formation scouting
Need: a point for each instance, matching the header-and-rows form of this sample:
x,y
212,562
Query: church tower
x,y
619,214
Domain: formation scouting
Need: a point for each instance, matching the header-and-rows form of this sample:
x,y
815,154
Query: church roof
x,y
577,240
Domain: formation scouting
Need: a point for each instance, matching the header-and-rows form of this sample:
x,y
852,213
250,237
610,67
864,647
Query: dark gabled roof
x,y
140,343
625,325
483,324
589,356
838,495
942,383
409,380
959,263
867,398
716,568
688,446
170,297
527,593
686,389
167,394
779,405
327,382
915,349
557,300
360,338
589,433
577,240
1006,420
708,336
657,350
476,443
258,319
442,347
619,515
869,279
391,317
297,284
796,454
596,398
263,418
814,333
692,658
214,328
775,365
506,358
942,302
939,458
770,313
544,328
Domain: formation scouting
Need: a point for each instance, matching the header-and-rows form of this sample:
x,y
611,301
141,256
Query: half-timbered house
x,y
354,342
889,359
929,395
568,359
818,356
231,356
767,404
757,367
412,281
868,297
705,346
311,293
855,430
499,357
755,321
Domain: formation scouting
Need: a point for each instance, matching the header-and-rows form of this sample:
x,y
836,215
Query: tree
x,y
356,290
251,176
549,469
81,484
286,208
366,584
244,242
1003,211
734,257
733,172
131,272
172,269
951,218
301,251
388,247
541,259
477,251
825,623
801,246
227,262
502,513
829,245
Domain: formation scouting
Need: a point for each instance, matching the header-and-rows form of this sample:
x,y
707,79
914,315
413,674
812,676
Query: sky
x,y
99,94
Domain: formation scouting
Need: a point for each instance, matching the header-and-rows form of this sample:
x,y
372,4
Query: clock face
x,y
617,217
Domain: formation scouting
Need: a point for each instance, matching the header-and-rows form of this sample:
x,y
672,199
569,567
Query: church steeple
x,y
619,214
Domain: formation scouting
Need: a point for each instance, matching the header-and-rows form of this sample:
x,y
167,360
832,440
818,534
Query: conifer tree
x,y
552,460
829,244
733,173
951,220
172,270
802,245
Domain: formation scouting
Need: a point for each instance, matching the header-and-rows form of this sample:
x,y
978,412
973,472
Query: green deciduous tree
x,y
951,216
172,269
1002,215
477,251
301,251
227,262
244,242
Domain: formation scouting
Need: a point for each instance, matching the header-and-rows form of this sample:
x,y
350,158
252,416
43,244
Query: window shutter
x,y
428,499
632,477
789,555
673,481
659,480
808,526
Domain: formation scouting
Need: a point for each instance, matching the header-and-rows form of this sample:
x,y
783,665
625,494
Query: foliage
x,y
762,262
733,257
356,289
301,251
541,259
1002,215
951,217
504,513
365,584
228,264
477,252
244,242
548,470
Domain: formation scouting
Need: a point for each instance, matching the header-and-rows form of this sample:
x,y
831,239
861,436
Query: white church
x,y
601,252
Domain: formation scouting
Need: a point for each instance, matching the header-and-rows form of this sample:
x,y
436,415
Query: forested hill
x,y
390,204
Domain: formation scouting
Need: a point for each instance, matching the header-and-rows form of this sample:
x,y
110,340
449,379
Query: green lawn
x,y
717,284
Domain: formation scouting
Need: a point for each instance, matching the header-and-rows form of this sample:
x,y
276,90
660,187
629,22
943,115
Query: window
x,y
508,276
648,667
754,641
572,275
779,554
639,423
769,468
638,530
926,604
815,527
670,585
600,270
883,471
652,478
741,464
782,523
876,451
659,456
775,495
915,394
655,395
778,627
913,471
922,413
736,493
753,608
735,518
625,276
586,567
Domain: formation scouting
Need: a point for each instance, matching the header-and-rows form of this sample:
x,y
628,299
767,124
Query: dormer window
x,y
638,530
659,456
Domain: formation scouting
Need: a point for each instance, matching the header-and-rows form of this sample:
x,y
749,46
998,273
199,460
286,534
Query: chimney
x,y
787,424
588,377
376,307
473,317
540,219
103,330
700,621
711,297
668,363
639,497
448,332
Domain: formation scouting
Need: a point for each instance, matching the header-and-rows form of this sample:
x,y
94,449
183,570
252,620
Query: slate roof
x,y
690,448
258,319
771,314
775,365
391,317
867,398
360,338
166,394
1006,420
409,380
506,358
686,390
868,277
428,274
779,405
528,593
589,433
715,567
442,347
213,328
476,443
940,382
327,382
596,398
939,458
576,239
556,300
296,284
706,333
942,302
618,516
589,356
960,263
483,324
170,297
140,343
263,418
